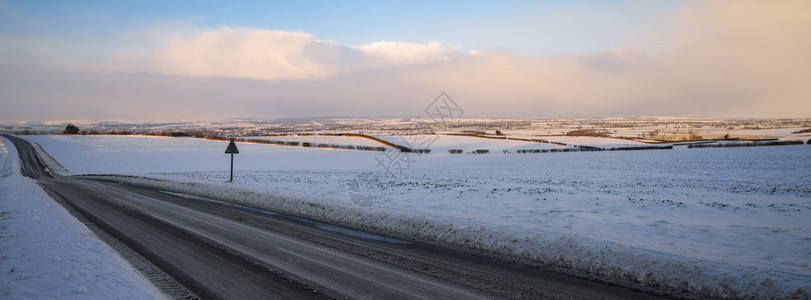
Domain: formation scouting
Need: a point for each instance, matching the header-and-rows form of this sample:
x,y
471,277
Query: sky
x,y
194,60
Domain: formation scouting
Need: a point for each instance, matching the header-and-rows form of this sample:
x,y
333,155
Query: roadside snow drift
x,y
48,254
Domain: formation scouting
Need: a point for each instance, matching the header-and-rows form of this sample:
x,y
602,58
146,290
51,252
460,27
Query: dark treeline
x,y
752,144
314,145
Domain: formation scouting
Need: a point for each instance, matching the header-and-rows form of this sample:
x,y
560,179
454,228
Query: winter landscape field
x,y
720,222
545,149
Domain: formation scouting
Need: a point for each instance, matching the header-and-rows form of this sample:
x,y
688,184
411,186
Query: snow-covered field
x,y
442,143
587,140
780,133
45,253
717,222
321,139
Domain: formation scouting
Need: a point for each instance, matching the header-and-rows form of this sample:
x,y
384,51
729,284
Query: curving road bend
x,y
215,249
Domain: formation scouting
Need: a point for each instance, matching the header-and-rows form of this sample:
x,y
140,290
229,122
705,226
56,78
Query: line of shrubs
x,y
409,150
477,151
626,148
485,151
546,150
808,130
591,148
589,132
506,138
752,144
365,136
314,145
579,149
124,132
387,143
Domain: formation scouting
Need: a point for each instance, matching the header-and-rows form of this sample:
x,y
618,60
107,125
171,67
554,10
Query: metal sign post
x,y
232,149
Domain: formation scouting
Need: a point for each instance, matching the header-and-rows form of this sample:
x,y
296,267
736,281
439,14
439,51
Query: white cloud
x,y
245,53
267,55
402,53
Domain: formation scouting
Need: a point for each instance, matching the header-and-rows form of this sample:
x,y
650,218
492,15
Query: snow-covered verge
x,y
696,222
45,253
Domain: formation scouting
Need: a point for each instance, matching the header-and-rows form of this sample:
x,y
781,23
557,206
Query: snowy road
x,y
221,250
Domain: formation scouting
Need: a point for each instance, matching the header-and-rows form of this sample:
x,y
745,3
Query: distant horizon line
x,y
165,120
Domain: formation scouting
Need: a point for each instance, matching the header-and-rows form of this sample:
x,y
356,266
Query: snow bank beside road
x,y
46,253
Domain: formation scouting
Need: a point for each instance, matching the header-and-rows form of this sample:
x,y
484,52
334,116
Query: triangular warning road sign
x,y
232,148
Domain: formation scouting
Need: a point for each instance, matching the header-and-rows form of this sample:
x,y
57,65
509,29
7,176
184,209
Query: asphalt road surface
x,y
209,248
